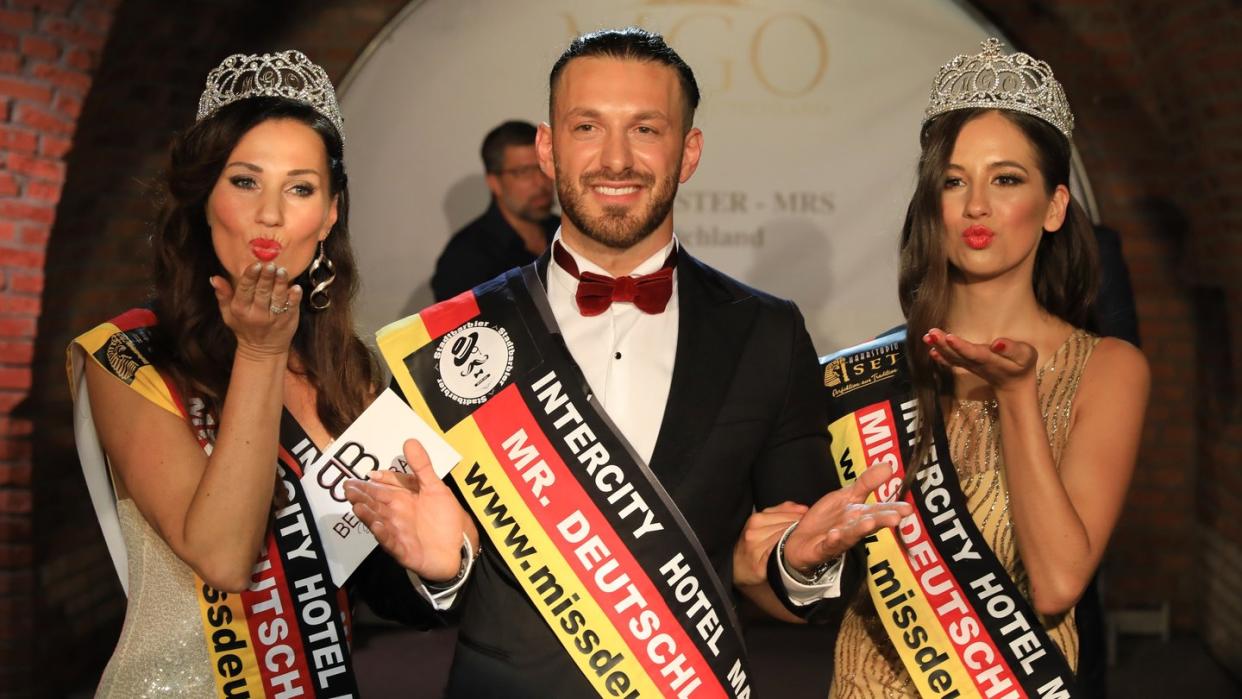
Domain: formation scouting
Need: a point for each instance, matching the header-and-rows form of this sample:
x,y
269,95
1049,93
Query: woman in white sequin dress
x,y
208,402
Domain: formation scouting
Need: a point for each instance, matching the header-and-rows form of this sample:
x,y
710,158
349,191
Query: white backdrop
x,y
810,114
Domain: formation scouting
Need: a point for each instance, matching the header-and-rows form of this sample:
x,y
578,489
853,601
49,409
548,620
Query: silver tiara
x,y
992,80
288,74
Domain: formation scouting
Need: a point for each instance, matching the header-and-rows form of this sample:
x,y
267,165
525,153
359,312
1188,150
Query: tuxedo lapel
x,y
712,328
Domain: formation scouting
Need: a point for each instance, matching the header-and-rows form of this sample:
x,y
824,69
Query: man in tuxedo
x,y
715,385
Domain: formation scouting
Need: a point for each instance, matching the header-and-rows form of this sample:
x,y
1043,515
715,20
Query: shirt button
x,y
617,355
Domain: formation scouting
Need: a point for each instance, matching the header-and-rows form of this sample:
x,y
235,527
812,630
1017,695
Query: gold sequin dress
x,y
161,652
866,665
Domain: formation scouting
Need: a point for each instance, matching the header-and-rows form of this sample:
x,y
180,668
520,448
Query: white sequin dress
x,y
162,651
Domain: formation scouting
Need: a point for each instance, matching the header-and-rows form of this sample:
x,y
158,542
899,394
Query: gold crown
x,y
288,74
993,80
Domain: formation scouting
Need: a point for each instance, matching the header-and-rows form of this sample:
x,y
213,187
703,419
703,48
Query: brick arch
x,y
91,89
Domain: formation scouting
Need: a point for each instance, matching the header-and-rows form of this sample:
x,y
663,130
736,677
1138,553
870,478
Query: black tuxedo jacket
x,y
744,427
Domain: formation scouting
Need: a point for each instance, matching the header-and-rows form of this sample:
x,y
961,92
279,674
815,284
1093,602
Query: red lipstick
x,y
978,236
265,249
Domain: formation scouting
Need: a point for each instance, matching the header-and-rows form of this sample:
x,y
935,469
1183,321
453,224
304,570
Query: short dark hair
x,y
510,133
634,44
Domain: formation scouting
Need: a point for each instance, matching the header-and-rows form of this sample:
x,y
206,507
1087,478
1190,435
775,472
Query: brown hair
x,y
632,44
193,344
1065,274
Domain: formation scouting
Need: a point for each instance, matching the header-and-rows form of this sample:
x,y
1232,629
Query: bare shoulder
x,y
131,427
1116,369
110,394
1113,357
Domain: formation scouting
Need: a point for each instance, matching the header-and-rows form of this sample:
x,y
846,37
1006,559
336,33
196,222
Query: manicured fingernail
x,y
999,346
271,266
927,338
281,272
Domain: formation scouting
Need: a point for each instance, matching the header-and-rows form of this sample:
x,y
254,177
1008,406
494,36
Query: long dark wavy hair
x,y
1065,275
193,344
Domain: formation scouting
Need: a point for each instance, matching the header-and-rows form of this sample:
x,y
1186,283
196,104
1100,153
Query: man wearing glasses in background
x,y
517,225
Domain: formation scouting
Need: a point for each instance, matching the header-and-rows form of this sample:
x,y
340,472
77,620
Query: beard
x,y
617,227
534,209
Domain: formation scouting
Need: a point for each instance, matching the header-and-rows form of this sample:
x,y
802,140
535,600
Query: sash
x,y
956,618
288,635
586,529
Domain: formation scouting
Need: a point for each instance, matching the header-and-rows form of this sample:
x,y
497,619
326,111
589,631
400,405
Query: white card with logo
x,y
374,441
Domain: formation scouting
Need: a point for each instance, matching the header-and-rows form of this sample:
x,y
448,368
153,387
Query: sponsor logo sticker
x,y
472,361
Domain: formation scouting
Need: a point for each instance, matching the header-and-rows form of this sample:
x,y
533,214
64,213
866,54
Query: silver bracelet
x,y
817,573
468,555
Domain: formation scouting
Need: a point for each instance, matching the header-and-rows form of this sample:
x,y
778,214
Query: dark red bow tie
x,y
596,292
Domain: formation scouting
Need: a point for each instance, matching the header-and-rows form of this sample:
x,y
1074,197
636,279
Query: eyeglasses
x,y
521,172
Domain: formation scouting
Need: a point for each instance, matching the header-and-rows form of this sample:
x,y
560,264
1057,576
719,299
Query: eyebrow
x,y
993,166
596,114
255,168
651,115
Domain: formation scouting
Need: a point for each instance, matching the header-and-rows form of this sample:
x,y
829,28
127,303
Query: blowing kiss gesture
x,y
1006,365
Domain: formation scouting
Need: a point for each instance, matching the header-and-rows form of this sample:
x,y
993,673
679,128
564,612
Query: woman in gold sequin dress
x,y
1043,419
246,357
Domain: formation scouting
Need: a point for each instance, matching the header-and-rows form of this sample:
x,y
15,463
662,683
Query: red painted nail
x,y
999,346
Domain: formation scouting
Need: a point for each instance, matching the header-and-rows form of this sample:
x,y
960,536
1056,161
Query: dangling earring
x,y
322,273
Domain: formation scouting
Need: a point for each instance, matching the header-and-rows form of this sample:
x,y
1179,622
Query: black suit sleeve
x,y
382,583
797,464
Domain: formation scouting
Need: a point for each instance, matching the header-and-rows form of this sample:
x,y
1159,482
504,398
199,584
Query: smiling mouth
x,y
615,191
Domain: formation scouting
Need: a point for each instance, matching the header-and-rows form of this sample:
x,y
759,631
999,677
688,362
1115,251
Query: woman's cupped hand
x,y
262,308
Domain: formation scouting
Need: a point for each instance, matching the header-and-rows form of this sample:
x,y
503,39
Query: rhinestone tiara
x,y
993,80
288,74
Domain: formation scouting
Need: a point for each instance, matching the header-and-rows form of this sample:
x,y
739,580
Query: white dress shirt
x,y
627,355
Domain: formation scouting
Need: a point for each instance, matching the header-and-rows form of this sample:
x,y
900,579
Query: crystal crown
x,y
288,74
993,80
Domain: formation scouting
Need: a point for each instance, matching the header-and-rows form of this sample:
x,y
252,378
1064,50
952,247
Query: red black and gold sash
x,y
595,542
956,618
288,635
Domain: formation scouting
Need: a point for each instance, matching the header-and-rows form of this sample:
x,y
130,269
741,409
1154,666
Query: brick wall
x,y
1154,85
48,51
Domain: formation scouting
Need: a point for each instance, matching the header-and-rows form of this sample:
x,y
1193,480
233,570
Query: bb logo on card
x,y
350,461
472,361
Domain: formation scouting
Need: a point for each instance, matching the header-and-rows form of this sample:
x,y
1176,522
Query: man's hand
x,y
841,519
416,518
763,529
